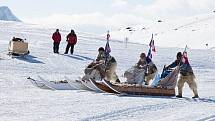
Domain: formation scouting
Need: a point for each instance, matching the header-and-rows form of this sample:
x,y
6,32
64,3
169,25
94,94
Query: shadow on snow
x,y
79,57
29,59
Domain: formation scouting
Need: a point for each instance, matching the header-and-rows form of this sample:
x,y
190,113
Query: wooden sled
x,y
136,89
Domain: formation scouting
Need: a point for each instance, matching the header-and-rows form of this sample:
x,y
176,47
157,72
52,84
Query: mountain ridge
x,y
7,15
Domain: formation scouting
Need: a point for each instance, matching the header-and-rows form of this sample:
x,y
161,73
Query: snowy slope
x,y
20,100
195,31
7,15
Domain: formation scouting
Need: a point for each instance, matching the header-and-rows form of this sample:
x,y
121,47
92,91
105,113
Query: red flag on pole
x,y
107,47
108,36
152,44
151,48
185,57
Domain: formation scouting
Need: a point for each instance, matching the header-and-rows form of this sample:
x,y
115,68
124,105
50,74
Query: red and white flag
x,y
151,48
185,57
152,44
108,36
107,46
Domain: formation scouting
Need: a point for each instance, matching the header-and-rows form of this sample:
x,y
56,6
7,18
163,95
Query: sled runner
x,y
102,86
165,87
57,85
77,84
90,85
39,84
52,85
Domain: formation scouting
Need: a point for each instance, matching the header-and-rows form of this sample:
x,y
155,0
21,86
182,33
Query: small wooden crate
x,y
18,47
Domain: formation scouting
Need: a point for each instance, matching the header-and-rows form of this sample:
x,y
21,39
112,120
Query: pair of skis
x,y
92,85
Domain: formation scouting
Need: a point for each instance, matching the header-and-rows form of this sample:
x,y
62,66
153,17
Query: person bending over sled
x,y
144,70
151,69
100,69
186,75
136,74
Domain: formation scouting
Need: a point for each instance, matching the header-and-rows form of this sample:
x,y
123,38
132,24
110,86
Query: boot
x,y
146,83
117,81
179,96
196,96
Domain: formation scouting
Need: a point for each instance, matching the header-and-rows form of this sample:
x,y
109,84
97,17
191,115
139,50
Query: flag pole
x,y
185,49
107,46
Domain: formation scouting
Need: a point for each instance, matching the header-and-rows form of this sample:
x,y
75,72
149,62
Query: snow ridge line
x,y
210,118
195,22
117,113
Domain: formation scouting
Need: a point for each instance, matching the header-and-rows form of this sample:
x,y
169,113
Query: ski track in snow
x,y
20,100
131,112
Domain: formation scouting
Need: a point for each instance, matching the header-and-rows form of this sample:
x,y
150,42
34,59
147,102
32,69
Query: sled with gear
x,y
91,74
164,87
18,47
51,85
91,81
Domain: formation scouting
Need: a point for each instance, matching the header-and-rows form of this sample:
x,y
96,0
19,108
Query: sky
x,y
106,14
42,8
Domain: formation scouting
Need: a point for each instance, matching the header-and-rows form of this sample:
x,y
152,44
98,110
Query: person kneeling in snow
x,y
186,75
100,69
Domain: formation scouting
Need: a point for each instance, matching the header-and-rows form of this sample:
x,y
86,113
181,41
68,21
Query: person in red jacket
x,y
71,38
56,38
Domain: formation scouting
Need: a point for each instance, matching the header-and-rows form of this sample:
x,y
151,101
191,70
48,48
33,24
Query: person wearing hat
x,y
56,36
106,66
186,75
101,55
91,71
136,74
149,67
71,38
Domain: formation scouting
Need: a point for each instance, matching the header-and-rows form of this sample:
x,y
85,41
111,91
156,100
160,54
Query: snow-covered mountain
x,y
7,15
196,31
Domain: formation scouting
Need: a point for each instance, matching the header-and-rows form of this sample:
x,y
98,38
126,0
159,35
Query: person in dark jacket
x,y
56,38
186,75
71,38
